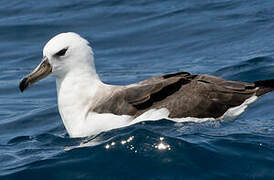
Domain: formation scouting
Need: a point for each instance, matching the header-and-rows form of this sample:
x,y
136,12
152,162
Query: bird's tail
x,y
265,86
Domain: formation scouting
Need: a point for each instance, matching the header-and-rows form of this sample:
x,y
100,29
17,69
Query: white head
x,y
64,53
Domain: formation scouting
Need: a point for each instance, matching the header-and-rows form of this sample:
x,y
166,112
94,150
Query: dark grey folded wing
x,y
183,94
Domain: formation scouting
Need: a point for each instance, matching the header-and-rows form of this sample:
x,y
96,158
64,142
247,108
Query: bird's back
x,y
183,94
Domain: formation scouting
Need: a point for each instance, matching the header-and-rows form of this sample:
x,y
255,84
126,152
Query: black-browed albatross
x,y
89,106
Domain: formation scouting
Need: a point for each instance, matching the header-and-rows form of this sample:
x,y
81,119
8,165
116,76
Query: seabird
x,y
88,106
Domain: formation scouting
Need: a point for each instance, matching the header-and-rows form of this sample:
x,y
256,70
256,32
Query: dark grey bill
x,y
40,72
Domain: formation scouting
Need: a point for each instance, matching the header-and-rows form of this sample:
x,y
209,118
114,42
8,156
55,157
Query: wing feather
x,y
183,94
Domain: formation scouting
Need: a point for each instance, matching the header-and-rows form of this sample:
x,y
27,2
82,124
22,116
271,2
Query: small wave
x,y
257,68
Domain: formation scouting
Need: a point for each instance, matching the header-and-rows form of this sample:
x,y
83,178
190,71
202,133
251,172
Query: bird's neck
x,y
76,93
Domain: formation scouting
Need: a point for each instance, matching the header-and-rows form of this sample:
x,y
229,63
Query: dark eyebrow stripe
x,y
62,52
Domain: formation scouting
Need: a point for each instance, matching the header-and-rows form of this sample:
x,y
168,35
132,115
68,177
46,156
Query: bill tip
x,y
23,84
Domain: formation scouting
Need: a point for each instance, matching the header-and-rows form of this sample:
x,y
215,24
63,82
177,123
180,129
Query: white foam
x,y
83,144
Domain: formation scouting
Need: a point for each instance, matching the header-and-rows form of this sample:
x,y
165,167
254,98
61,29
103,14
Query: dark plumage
x,y
184,95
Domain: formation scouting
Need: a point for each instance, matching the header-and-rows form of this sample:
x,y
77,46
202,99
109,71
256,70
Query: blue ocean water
x,y
132,41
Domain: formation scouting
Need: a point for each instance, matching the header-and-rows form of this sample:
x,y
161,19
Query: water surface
x,y
132,41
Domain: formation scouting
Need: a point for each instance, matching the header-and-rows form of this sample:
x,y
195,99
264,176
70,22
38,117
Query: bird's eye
x,y
61,52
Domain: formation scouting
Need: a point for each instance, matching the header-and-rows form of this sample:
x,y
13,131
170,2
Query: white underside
x,y
234,112
97,123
